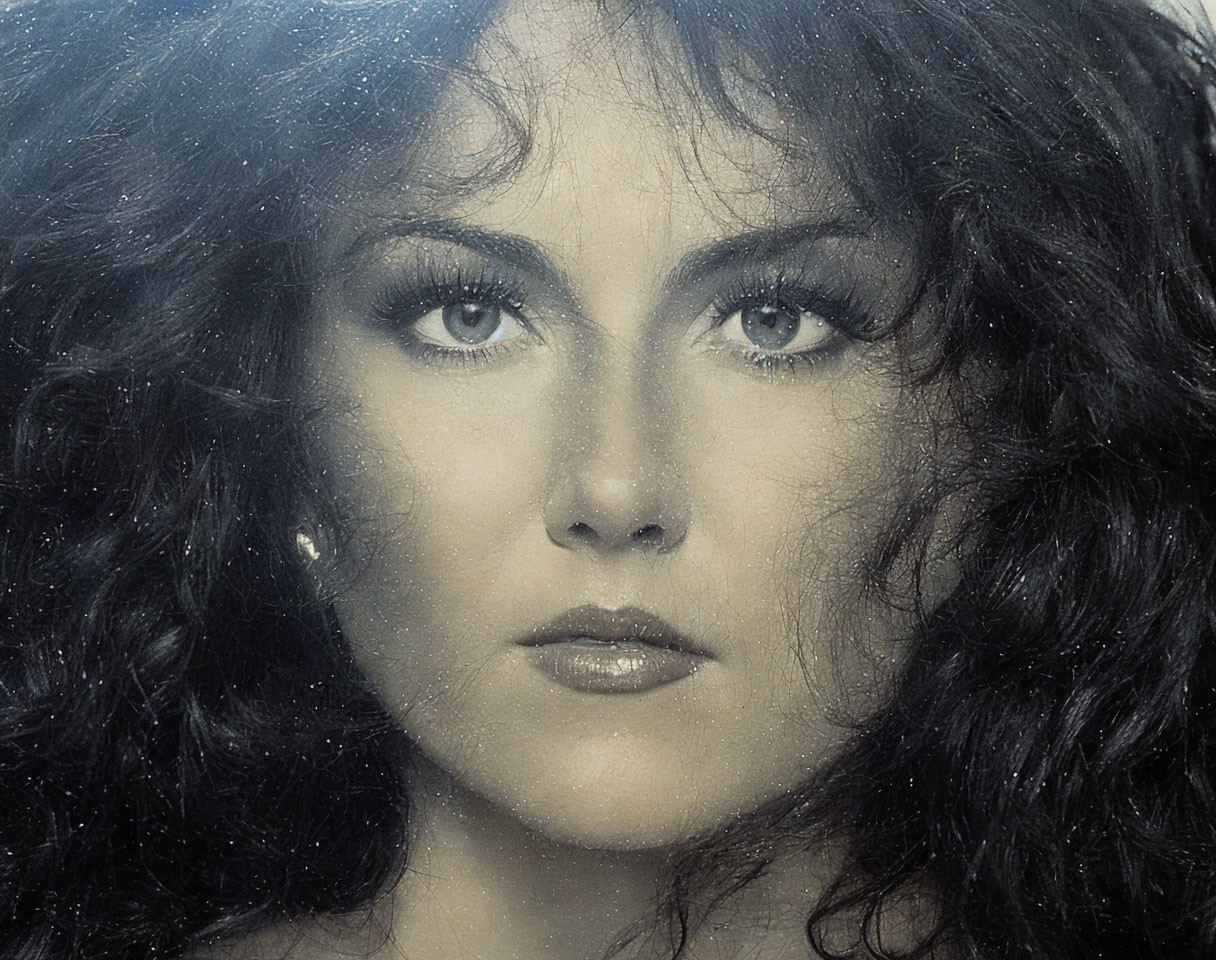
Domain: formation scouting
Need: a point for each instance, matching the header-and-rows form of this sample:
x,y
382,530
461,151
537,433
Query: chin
x,y
618,795
620,823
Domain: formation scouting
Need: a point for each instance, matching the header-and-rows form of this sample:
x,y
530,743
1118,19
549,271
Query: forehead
x,y
576,119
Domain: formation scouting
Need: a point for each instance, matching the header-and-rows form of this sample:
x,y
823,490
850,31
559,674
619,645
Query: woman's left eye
x,y
775,327
467,325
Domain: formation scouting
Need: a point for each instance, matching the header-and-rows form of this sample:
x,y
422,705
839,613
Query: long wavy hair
x,y
186,749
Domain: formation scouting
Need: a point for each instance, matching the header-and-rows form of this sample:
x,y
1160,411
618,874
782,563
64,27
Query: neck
x,y
482,884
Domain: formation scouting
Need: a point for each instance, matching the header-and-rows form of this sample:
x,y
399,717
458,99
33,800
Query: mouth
x,y
595,650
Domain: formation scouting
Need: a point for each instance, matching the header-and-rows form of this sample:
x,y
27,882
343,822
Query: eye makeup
x,y
777,312
788,321
450,294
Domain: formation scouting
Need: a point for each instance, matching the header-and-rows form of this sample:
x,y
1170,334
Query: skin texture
x,y
616,447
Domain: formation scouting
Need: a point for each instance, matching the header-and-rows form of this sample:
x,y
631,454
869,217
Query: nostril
x,y
581,531
649,535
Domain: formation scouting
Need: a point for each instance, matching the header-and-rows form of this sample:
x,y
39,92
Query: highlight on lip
x,y
627,666
595,650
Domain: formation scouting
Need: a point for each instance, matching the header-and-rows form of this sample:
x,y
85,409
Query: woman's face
x,y
617,461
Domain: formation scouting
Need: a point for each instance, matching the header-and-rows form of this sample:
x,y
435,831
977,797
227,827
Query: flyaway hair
x,y
187,751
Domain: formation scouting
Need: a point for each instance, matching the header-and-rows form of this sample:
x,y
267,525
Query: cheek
x,y
796,484
457,462
441,479
804,471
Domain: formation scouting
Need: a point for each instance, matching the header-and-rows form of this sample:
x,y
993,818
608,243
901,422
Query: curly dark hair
x,y
187,751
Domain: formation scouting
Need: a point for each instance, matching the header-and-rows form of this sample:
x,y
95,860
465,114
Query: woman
x,y
685,478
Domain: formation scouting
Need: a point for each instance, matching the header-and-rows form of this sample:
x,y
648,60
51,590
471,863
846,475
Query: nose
x,y
618,486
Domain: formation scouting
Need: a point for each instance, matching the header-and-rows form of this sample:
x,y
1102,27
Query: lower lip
x,y
612,666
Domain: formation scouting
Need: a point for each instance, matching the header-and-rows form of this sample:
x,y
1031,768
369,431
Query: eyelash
x,y
842,313
405,302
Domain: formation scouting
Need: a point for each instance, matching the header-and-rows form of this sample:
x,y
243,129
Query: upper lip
x,y
600,623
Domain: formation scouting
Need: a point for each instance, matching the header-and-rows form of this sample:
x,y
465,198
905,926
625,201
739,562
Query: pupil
x,y
771,326
472,322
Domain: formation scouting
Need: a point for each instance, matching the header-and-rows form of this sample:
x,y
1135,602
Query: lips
x,y
599,623
595,650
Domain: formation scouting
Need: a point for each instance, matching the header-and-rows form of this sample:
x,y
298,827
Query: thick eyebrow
x,y
506,248
693,268
758,245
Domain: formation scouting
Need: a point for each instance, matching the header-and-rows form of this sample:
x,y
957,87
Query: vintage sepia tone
x,y
635,479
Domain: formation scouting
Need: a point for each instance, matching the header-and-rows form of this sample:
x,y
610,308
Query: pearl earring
x,y
306,546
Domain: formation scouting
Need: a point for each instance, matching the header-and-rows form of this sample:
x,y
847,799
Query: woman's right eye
x,y
453,316
467,325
